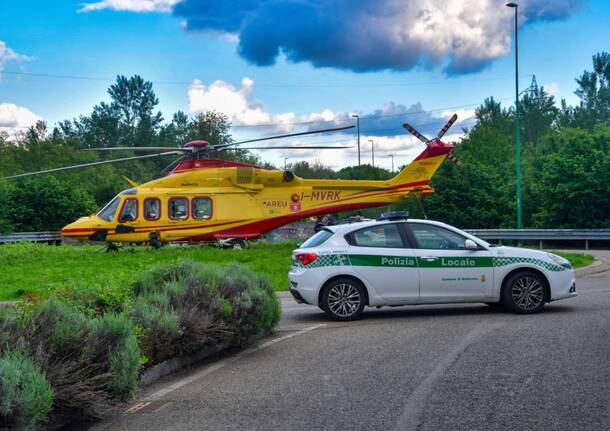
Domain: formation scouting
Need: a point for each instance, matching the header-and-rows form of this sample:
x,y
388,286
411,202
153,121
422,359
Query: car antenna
x,y
421,206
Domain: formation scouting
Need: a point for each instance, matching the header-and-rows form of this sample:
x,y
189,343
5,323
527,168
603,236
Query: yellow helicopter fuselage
x,y
206,200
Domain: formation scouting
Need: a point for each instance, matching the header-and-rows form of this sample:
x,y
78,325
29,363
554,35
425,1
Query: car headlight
x,y
560,261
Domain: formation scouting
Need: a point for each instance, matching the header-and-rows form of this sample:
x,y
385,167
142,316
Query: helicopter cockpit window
x,y
129,212
107,213
152,209
202,208
178,208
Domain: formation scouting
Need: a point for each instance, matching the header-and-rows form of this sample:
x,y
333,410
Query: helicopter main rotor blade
x,y
308,147
415,133
447,126
184,150
85,165
311,132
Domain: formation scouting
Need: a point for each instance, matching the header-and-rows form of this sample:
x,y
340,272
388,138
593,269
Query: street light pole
x,y
357,117
517,126
372,152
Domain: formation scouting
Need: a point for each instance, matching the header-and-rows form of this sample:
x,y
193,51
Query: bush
x,y
25,394
185,306
90,363
90,347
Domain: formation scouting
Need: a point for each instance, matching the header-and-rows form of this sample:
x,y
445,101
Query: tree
x,y
594,93
317,170
538,112
133,102
571,183
43,203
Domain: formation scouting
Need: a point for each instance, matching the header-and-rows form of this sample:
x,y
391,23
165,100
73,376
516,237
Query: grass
x,y
578,260
40,269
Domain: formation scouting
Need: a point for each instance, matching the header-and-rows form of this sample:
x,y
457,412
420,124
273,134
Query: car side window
x,y
178,208
429,236
384,235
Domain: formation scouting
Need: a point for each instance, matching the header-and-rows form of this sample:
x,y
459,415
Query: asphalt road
x,y
462,367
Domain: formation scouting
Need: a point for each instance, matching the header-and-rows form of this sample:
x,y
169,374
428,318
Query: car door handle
x,y
429,258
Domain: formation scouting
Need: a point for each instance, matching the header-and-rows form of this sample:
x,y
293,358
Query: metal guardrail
x,y
302,230
542,235
48,237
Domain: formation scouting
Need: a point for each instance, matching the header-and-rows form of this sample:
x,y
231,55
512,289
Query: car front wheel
x,y
343,299
524,293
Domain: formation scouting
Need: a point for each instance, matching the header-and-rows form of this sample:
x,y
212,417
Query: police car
x,y
398,261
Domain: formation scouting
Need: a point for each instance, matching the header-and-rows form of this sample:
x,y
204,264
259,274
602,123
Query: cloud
x,y
383,126
15,119
8,55
239,105
370,35
552,88
130,5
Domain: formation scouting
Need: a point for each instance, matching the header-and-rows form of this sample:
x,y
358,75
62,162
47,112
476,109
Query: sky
x,y
292,65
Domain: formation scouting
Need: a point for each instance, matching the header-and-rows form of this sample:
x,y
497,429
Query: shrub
x,y
185,306
90,363
25,394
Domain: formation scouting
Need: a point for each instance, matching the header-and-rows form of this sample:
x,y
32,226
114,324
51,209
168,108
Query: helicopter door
x,y
129,211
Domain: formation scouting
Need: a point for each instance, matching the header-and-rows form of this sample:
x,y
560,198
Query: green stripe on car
x,y
415,262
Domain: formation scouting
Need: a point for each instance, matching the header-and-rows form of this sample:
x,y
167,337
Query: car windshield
x,y
319,238
107,213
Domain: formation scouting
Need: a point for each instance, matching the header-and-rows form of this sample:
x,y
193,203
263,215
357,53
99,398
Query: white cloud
x,y
383,126
7,55
130,5
552,88
239,105
15,119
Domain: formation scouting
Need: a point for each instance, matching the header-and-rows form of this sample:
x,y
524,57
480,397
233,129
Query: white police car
x,y
398,261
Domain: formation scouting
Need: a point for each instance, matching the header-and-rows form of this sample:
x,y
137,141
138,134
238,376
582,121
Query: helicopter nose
x,y
79,229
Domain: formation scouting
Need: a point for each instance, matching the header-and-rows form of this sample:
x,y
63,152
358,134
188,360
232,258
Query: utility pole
x,y
517,126
357,117
372,152
285,158
392,156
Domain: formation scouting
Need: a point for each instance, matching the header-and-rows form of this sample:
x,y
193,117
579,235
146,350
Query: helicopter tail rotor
x,y
437,139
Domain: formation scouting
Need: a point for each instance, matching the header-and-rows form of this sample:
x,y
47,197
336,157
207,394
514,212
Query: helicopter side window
x,y
152,209
129,212
178,208
107,213
201,208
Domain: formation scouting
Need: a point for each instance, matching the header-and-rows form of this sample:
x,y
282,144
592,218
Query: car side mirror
x,y
470,245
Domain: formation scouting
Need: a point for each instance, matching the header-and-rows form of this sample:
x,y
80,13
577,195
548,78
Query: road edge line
x,y
221,364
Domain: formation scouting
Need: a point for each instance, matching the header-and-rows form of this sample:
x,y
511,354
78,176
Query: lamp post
x,y
392,156
372,152
517,127
357,117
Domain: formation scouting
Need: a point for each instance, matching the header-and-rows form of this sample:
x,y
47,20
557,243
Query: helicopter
x,y
203,199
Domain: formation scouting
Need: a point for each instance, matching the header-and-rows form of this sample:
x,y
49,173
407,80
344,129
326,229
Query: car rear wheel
x,y
524,293
343,299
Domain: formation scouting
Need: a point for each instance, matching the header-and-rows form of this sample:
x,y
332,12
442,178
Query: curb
x,y
156,372
591,269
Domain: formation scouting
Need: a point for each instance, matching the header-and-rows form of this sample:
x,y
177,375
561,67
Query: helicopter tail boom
x,y
420,171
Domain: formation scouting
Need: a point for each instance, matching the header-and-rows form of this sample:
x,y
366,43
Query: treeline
x,y
565,160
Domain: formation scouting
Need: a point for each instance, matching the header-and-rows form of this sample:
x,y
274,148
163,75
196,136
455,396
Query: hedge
x,y
89,349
